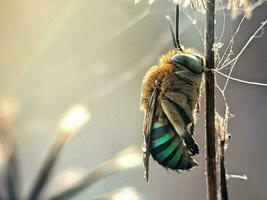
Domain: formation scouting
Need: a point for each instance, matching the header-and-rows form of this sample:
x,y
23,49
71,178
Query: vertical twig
x,y
223,181
221,125
210,104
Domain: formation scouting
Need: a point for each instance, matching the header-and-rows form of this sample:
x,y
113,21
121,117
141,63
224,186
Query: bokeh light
x,y
74,119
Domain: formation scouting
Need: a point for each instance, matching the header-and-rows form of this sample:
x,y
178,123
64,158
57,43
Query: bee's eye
x,y
193,63
200,59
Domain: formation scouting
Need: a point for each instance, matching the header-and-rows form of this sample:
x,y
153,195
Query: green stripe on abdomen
x,y
166,152
176,159
167,148
165,138
183,162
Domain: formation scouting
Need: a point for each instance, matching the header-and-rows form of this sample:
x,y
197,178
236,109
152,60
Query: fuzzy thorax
x,y
162,72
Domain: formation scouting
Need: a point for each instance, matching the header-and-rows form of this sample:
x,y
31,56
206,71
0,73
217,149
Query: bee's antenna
x,y
175,37
177,20
172,31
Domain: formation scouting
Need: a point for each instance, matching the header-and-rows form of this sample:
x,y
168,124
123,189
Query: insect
x,y
170,100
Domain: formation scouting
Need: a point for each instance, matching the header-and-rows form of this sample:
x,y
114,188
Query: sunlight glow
x,y
74,119
9,109
128,158
234,176
126,194
2,156
67,179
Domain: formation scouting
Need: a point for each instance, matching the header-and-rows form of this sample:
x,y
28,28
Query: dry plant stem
x,y
99,173
46,169
234,61
221,130
223,181
239,80
210,104
12,177
230,45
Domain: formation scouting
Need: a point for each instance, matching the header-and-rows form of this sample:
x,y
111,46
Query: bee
x,y
170,100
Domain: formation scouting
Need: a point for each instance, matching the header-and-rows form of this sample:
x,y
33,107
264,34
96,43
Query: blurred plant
x,y
64,180
126,159
128,193
199,5
236,6
9,109
73,120
71,123
72,182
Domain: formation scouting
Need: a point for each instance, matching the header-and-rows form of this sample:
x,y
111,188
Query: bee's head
x,y
194,63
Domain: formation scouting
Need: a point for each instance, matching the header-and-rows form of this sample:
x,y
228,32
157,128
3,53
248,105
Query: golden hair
x,y
162,72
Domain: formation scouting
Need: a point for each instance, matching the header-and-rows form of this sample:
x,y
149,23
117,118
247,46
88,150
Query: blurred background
x,y
58,53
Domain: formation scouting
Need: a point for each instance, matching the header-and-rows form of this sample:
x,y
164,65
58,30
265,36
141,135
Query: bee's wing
x,y
174,115
181,104
176,102
148,122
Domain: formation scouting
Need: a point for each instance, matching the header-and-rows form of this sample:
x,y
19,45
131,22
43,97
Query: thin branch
x,y
50,161
230,44
223,28
210,104
239,80
128,158
235,176
223,180
242,50
222,133
223,96
12,177
96,175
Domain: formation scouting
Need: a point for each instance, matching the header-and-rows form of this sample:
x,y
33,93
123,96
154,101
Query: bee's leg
x,y
191,143
178,122
191,128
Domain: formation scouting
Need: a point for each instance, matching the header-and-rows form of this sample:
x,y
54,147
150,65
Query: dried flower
x,y
221,125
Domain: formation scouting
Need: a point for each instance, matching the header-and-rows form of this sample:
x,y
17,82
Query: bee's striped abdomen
x,y
168,149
